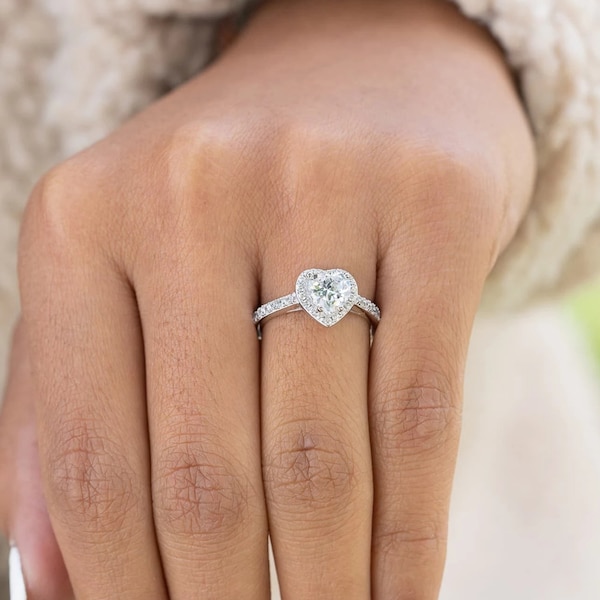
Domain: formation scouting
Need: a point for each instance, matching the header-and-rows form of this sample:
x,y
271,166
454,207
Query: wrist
x,y
287,24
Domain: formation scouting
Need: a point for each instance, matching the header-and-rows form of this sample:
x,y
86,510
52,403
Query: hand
x,y
386,139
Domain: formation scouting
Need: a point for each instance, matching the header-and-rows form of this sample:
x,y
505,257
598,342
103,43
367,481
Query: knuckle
x,y
449,168
417,412
205,153
89,480
464,191
307,469
57,220
51,205
458,169
207,163
198,492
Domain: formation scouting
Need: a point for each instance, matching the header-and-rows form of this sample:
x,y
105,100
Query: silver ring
x,y
326,295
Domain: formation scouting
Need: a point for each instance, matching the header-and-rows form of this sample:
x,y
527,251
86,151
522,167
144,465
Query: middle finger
x,y
202,365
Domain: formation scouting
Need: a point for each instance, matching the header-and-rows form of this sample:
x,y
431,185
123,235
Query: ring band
x,y
326,295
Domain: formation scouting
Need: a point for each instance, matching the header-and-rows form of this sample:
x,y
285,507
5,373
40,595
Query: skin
x,y
386,138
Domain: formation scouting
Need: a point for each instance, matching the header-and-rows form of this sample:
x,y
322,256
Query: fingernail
x,y
15,573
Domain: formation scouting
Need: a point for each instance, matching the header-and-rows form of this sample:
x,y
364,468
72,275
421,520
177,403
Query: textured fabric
x,y
555,48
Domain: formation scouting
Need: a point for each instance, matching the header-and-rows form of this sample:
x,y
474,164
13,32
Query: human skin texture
x,y
385,138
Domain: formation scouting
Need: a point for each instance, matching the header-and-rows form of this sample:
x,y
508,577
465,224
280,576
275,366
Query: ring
x,y
327,296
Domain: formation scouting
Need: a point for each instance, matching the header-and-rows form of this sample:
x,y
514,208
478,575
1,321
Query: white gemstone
x,y
329,293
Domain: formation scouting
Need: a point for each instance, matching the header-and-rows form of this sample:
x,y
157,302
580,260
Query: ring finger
x,y
316,456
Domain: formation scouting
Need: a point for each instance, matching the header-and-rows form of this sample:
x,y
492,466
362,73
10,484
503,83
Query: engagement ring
x,y
327,296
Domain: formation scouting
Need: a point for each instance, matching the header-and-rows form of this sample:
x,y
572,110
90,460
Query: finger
x,y
23,511
81,319
316,455
202,360
417,364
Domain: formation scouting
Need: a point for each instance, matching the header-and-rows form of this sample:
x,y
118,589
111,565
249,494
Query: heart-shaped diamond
x,y
327,296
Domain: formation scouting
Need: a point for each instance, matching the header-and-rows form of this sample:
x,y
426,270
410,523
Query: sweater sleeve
x,y
554,48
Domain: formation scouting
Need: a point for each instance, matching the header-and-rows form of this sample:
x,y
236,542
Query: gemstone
x,y
328,295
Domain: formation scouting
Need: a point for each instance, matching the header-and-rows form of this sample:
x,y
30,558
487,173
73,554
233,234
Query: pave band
x,y
368,309
327,296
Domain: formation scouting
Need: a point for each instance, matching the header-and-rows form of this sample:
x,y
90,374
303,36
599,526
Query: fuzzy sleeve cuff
x,y
554,47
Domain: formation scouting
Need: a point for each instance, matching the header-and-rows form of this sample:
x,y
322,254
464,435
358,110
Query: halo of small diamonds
x,y
326,295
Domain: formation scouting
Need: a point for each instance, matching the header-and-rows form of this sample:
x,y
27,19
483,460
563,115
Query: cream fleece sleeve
x,y
554,46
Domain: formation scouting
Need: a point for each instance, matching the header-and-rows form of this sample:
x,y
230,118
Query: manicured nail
x,y
17,583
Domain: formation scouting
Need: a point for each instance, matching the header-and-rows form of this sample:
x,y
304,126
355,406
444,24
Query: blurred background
x,y
585,308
